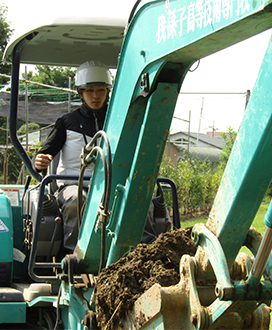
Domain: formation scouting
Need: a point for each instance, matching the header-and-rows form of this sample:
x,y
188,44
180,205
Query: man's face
x,y
95,96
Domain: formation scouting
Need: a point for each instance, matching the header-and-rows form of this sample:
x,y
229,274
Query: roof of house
x,y
209,140
203,153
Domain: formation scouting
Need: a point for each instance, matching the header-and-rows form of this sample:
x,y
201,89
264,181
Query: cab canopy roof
x,y
70,42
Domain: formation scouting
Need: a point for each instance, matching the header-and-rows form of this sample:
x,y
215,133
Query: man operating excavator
x,y
70,134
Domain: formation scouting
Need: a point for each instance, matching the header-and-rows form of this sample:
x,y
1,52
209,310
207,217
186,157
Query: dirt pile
x,y
120,284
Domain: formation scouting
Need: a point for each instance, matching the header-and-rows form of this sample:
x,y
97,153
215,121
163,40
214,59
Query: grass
x,y
191,223
258,222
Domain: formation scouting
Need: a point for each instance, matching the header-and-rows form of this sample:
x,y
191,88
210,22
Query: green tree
x,y
52,75
3,130
5,34
5,68
32,127
14,165
229,137
197,183
3,126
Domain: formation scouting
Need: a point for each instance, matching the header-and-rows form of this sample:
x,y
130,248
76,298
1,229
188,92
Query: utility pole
x,y
248,93
189,128
201,111
213,128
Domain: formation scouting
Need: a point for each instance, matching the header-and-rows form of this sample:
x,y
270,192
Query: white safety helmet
x,y
92,73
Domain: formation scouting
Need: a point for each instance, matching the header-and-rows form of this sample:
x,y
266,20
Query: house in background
x,y
204,146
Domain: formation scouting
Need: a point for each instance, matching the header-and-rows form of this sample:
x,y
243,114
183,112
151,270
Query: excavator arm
x,y
150,72
151,69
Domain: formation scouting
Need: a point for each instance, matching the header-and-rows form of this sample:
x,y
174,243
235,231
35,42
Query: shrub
x,y
197,183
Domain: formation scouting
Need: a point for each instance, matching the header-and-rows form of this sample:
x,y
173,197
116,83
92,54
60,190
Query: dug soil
x,y
120,284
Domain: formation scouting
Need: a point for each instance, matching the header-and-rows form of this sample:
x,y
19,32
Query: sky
x,y
233,70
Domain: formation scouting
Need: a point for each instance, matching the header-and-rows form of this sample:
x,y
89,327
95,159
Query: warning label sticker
x,y
12,195
3,227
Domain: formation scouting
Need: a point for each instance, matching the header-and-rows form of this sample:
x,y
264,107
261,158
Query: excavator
x,y
152,53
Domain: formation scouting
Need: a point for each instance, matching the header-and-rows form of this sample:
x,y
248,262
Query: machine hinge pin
x,y
194,319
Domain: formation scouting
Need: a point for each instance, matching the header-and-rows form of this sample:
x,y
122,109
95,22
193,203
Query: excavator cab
x,y
32,263
40,218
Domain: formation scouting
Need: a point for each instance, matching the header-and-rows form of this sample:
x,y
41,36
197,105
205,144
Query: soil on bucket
x,y
120,284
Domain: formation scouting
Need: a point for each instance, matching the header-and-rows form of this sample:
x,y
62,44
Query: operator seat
x,y
53,186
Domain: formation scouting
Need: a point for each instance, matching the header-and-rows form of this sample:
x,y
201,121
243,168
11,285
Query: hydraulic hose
x,y
91,149
81,174
107,144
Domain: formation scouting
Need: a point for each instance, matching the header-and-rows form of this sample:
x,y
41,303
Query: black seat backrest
x,y
53,187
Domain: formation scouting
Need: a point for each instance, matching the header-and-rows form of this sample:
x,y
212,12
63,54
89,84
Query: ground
x,y
120,284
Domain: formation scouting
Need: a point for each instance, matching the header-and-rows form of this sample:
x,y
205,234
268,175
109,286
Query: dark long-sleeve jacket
x,y
69,135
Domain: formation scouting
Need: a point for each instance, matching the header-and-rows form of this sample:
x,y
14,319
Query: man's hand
x,y
42,161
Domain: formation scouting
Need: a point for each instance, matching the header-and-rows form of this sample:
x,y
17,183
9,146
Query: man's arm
x,y
51,146
42,161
